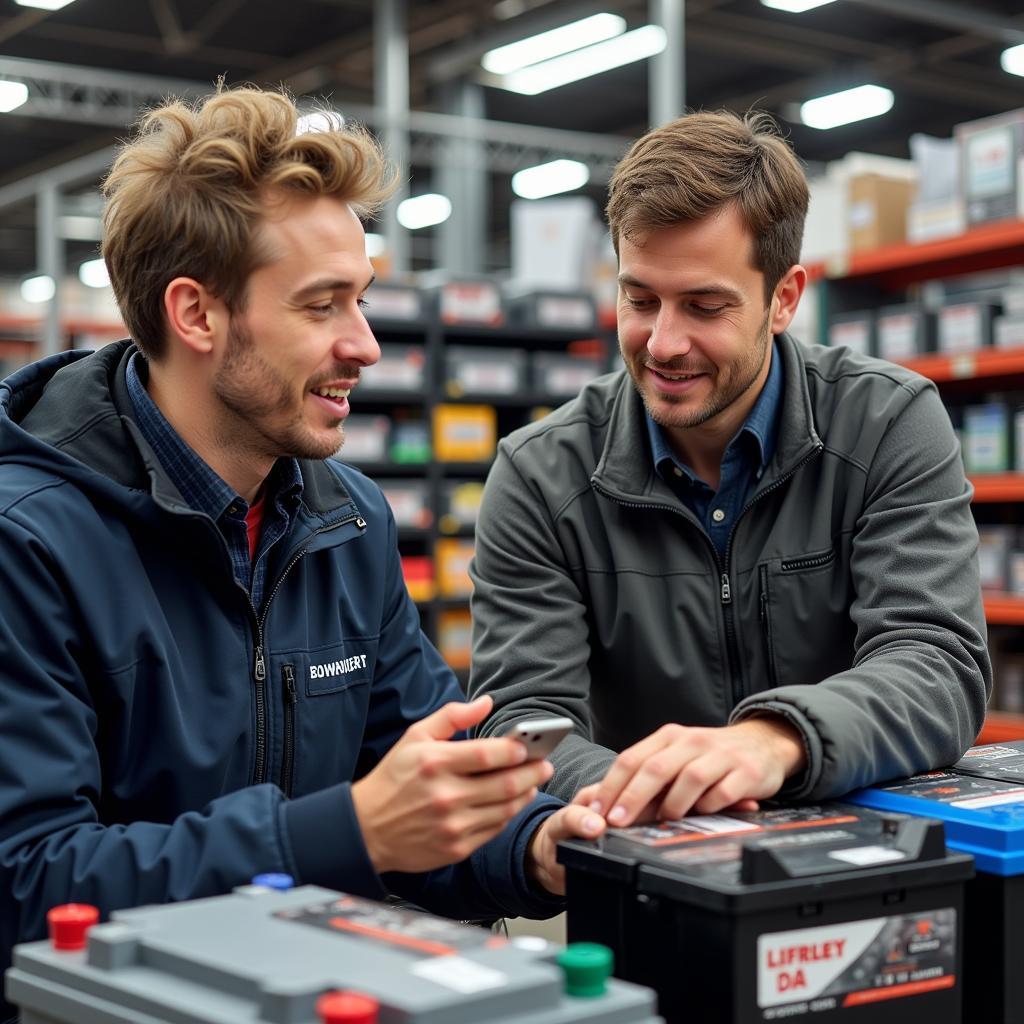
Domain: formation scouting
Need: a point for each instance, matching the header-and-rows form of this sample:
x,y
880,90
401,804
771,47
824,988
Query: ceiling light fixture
x,y
1012,60
45,5
795,6
38,289
553,43
550,179
376,245
846,107
12,95
424,211
93,274
591,60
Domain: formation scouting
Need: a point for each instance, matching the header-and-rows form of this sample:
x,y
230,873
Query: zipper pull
x,y
261,665
289,683
361,523
726,589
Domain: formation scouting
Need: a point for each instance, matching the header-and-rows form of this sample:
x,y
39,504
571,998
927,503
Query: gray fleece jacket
x,y
848,600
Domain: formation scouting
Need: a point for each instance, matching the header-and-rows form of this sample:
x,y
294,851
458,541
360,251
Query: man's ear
x,y
787,297
196,317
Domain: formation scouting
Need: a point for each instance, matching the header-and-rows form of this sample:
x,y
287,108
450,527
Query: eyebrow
x,y
730,294
330,284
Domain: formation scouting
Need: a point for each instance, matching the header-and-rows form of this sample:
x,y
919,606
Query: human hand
x,y
567,822
682,768
430,803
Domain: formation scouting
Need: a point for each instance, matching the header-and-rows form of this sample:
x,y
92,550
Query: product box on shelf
x,y
452,556
876,212
824,912
987,438
992,153
471,370
410,440
409,501
467,301
553,310
1008,330
903,332
563,375
981,801
854,330
400,368
392,301
460,505
418,573
465,433
965,326
366,438
994,546
455,636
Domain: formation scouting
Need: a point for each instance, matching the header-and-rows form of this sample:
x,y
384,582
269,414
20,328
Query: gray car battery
x,y
260,955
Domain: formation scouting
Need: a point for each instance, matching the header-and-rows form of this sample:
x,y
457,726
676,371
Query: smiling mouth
x,y
333,393
674,376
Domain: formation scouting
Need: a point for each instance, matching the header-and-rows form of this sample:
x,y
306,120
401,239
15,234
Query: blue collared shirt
x,y
743,463
204,491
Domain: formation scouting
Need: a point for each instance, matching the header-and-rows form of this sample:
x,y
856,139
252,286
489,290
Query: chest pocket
x,y
804,611
339,666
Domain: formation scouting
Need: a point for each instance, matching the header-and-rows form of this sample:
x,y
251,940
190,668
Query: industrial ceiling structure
x,y
91,65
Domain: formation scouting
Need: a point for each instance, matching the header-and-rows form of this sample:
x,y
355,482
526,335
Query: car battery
x,y
981,801
268,956
826,913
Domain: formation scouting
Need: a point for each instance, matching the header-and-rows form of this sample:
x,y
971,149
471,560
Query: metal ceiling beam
x,y
88,168
975,20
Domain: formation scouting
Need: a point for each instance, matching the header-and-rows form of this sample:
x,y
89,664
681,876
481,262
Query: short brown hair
x,y
186,194
693,166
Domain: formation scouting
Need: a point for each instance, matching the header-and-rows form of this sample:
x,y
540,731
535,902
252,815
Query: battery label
x,y
410,931
855,963
959,790
1004,761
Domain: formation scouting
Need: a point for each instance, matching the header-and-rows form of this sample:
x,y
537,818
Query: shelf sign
x,y
963,365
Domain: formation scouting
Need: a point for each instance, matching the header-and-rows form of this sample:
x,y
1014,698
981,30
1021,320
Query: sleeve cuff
x,y
529,899
325,844
801,785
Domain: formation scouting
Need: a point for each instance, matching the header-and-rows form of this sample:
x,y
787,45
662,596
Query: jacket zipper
x,y
730,629
288,753
766,627
259,661
814,562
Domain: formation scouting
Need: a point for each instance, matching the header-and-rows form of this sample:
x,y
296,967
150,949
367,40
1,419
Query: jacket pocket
x,y
339,666
766,625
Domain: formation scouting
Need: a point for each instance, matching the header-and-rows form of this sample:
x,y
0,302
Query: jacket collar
x,y
626,468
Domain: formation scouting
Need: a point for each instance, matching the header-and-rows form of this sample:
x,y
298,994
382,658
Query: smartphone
x,y
541,735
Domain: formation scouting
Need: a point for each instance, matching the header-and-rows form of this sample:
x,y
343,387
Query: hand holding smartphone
x,y
540,736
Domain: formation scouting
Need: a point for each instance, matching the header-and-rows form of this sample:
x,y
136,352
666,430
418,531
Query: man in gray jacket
x,y
744,564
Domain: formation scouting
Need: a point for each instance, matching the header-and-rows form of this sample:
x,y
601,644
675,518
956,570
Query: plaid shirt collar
x,y
200,487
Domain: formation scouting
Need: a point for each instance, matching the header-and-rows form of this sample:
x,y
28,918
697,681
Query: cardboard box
x,y
876,212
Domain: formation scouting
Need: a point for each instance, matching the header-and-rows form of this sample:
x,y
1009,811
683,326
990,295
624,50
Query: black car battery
x,y
981,801
828,913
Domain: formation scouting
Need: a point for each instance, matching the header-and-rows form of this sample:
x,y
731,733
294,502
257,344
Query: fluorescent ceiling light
x,y
38,289
795,6
375,245
591,60
12,95
551,44
45,5
424,211
1012,60
320,121
93,274
79,228
846,106
550,179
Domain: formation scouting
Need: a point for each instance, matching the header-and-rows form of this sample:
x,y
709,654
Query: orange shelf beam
x,y
1004,609
1001,726
982,363
998,487
981,248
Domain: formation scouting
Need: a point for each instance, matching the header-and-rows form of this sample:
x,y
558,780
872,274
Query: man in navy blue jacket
x,y
211,667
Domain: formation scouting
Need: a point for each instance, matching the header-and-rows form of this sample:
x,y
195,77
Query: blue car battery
x,y
981,801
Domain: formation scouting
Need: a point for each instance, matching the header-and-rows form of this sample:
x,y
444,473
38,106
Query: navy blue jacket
x,y
159,742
